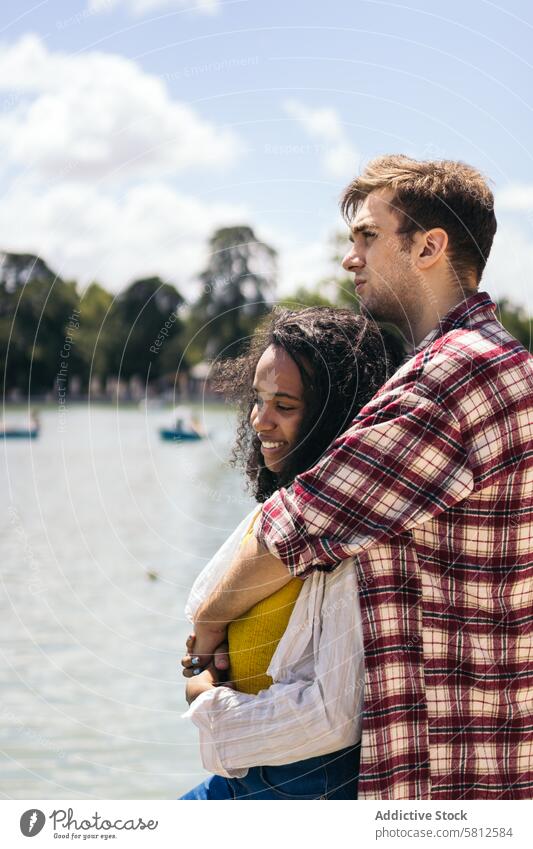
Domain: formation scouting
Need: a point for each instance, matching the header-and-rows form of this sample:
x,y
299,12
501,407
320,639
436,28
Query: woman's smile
x,y
270,445
271,450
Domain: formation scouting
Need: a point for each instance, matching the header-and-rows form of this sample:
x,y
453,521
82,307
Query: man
x,y
430,491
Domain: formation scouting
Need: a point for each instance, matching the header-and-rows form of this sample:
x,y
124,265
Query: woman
x,y
288,726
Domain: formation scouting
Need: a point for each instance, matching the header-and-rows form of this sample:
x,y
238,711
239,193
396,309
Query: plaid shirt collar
x,y
459,316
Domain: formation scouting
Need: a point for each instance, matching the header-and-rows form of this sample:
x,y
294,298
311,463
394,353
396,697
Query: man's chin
x,y
370,311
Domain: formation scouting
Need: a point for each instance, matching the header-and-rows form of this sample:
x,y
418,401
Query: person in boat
x,y
288,725
185,422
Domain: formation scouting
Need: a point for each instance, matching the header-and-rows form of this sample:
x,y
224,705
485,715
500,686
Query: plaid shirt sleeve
x,y
431,489
402,462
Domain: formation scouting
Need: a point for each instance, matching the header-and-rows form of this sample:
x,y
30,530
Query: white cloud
x,y
320,123
510,267
85,234
293,273
145,7
97,114
302,262
340,158
515,197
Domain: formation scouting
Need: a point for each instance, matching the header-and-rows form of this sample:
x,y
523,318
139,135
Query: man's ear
x,y
432,246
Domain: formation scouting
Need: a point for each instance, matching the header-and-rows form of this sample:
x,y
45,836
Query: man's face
x,y
387,281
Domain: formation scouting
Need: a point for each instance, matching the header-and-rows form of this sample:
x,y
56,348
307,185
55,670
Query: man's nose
x,y
353,259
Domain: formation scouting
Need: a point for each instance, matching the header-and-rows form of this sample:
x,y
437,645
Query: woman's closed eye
x,y
258,402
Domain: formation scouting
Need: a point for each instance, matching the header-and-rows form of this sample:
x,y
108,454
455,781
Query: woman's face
x,y
279,406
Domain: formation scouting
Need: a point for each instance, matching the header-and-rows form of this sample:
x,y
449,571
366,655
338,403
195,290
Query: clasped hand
x,y
207,645
206,663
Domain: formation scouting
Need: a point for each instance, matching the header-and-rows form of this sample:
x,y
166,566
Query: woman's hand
x,y
206,680
205,646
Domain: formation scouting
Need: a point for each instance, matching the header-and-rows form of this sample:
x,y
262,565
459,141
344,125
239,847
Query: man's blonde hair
x,y
427,194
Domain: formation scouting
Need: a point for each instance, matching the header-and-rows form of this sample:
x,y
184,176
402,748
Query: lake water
x,y
91,688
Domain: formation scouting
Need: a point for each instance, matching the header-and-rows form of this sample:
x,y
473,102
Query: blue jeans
x,y
332,776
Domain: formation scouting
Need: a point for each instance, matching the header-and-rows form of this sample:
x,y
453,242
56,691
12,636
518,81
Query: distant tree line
x,y
49,328
51,331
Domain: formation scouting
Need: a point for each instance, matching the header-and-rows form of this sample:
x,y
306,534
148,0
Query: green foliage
x,y
516,321
144,331
238,289
93,340
35,307
305,298
143,322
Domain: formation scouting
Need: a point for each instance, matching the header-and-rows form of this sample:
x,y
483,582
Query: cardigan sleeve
x,y
314,707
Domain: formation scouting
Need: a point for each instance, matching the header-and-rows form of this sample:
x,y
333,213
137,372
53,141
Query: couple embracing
x,y
367,631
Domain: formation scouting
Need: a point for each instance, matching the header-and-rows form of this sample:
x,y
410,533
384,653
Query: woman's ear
x,y
432,247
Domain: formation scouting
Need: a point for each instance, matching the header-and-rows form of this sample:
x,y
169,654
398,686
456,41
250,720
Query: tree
x,y
238,289
516,320
37,316
305,298
94,340
143,321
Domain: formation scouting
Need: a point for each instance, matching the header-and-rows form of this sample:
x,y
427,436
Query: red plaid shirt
x,y
430,491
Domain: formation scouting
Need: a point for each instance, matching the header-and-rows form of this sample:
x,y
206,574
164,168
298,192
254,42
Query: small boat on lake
x,y
175,435
20,431
184,427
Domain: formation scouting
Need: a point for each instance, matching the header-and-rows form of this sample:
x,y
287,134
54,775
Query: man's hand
x,y
203,649
206,680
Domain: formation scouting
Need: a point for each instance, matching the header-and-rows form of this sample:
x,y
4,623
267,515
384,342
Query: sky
x,y
131,129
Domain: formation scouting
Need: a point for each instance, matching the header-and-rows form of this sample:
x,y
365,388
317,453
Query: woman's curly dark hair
x,y
343,360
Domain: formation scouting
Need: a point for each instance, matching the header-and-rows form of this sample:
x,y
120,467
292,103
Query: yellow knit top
x,y
254,636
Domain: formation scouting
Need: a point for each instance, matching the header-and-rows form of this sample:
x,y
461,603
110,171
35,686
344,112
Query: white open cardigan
x,y
314,705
